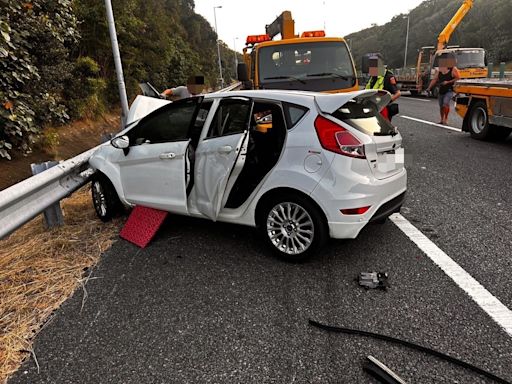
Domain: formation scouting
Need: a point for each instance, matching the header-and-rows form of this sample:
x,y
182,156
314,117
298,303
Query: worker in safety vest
x,y
382,78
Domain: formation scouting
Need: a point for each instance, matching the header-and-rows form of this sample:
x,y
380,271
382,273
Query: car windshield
x,y
307,62
362,114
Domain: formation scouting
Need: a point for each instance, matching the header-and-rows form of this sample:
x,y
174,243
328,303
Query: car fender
x,y
281,178
99,162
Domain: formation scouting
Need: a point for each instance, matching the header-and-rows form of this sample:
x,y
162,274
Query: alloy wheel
x,y
100,201
290,228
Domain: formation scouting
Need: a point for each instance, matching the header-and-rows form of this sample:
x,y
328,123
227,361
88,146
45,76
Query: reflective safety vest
x,y
379,84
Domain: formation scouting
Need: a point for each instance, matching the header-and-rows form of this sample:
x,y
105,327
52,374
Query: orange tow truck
x,y
471,62
311,61
486,107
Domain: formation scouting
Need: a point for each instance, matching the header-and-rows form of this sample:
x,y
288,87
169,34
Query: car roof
x,y
274,94
326,102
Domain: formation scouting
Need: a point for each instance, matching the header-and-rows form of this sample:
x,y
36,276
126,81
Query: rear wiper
x,y
329,74
285,77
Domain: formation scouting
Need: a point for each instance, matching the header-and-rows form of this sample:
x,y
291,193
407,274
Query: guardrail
x,y
496,75
231,87
22,202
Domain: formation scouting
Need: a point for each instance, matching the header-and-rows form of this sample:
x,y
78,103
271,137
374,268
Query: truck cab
x,y
309,62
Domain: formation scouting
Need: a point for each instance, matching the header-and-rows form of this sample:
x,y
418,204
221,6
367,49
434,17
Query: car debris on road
x,y
374,280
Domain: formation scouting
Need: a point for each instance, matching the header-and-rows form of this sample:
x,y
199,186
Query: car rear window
x,y
363,115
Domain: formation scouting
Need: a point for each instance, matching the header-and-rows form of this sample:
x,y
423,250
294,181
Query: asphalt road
x,y
207,303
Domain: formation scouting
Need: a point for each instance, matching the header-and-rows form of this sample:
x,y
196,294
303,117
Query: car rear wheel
x,y
293,227
104,198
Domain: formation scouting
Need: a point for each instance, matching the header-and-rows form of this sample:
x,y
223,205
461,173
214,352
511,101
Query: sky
x,y
239,18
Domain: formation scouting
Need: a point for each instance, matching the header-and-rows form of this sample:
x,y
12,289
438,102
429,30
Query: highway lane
x,y
427,109
207,303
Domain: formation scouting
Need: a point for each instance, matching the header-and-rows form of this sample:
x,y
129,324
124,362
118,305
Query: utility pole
x,y
234,50
406,41
218,46
117,63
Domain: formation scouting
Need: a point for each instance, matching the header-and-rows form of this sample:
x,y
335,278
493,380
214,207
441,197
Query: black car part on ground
x,y
382,373
421,348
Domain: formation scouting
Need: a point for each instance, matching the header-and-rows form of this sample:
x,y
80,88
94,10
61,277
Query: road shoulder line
x,y
416,99
485,300
430,123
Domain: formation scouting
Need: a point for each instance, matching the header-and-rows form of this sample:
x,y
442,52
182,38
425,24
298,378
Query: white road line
x,y
412,98
490,304
430,123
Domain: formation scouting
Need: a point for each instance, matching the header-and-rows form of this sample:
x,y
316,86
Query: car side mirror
x,y
120,142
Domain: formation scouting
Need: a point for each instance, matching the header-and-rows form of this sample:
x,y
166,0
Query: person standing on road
x,y
382,78
446,76
195,85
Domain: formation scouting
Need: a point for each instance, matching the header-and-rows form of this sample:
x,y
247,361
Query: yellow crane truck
x,y
311,61
486,107
471,62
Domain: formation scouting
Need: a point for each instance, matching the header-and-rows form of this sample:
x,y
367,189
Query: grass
x,y
40,269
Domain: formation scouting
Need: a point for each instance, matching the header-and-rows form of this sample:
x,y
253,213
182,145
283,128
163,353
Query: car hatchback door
x,y
220,154
153,172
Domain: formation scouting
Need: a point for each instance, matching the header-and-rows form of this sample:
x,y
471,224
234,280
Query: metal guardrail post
x,y
502,70
53,214
490,69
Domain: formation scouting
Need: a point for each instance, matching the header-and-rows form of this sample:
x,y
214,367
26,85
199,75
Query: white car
x,y
301,166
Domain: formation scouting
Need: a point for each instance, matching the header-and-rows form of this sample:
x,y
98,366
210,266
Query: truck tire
x,y
435,92
478,121
414,93
500,133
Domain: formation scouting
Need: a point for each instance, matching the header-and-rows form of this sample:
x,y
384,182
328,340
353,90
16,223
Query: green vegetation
x,y
487,25
56,59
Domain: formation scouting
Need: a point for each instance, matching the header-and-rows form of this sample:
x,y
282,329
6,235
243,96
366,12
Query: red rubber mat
x,y
142,225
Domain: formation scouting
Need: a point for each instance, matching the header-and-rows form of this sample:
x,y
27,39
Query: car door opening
x,y
267,135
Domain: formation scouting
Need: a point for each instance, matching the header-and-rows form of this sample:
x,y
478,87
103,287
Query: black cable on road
x,y
418,347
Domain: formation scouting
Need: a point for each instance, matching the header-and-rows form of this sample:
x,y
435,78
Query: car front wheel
x,y
293,227
104,198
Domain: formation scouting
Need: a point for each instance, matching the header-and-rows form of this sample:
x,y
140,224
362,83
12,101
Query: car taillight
x,y
335,138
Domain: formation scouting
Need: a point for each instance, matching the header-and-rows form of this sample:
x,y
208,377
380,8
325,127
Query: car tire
x,y
104,198
478,121
293,227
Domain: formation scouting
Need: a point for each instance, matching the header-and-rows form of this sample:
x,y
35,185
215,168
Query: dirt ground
x,y
40,269
74,139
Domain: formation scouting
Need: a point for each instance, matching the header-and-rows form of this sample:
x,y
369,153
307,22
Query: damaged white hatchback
x,y
301,166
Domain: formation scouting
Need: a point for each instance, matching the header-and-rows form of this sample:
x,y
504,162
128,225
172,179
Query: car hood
x,y
330,102
143,106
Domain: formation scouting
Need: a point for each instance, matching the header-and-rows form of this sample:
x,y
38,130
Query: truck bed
x,y
486,83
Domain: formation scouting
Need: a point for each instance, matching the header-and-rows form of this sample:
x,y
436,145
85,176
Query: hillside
x,y
57,64
486,25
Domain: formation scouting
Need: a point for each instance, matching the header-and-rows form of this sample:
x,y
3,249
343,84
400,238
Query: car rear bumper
x,y
388,208
384,197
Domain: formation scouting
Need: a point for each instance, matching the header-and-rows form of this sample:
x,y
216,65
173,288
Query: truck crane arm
x,y
444,36
284,25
